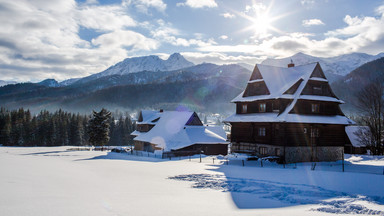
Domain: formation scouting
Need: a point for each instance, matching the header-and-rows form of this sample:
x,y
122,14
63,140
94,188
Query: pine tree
x,y
98,129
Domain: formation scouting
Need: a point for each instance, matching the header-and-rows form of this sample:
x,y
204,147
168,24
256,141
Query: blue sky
x,y
63,39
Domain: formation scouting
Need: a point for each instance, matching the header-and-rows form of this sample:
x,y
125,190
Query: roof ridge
x,y
289,67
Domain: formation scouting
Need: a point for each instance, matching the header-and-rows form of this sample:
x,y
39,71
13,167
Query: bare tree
x,y
371,105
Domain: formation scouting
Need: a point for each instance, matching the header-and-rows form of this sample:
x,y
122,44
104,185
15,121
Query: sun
x,y
261,23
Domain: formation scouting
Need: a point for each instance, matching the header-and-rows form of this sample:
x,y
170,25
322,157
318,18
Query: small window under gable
x,y
244,108
315,108
262,107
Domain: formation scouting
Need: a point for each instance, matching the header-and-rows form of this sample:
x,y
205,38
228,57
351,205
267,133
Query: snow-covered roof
x,y
149,116
289,118
171,132
352,131
320,98
279,79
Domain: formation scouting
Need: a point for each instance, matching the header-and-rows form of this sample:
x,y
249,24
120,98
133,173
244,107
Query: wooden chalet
x,y
291,113
178,133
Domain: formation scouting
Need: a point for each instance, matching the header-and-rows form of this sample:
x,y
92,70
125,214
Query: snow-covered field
x,y
54,181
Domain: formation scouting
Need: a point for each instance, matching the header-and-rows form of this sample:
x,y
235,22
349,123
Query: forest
x,y
22,128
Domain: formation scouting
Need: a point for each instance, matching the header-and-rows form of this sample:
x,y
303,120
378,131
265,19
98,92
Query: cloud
x,y
42,38
199,3
103,18
125,38
221,58
307,2
228,15
312,22
223,37
144,5
167,34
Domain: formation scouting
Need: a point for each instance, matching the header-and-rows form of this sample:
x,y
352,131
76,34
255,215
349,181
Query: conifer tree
x,y
98,129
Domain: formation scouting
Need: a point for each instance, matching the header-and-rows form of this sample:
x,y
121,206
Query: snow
x,y
339,65
291,118
256,80
320,98
146,63
149,116
351,133
53,181
4,83
171,131
318,79
280,79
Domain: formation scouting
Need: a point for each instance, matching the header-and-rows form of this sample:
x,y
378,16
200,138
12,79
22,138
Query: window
x,y
244,108
263,150
262,131
315,108
315,132
277,151
262,107
317,90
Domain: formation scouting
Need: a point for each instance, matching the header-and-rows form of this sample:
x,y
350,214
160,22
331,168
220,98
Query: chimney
x,y
291,64
161,110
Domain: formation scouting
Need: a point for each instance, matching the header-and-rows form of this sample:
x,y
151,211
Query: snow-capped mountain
x,y
68,81
4,83
146,63
339,65
49,83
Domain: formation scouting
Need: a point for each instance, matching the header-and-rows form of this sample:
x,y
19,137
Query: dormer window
x,y
315,108
244,108
262,107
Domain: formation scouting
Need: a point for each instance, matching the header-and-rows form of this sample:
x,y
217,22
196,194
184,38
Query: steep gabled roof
x,y
173,131
278,80
148,116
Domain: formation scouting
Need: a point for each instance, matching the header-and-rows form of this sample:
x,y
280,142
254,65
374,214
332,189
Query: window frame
x,y
315,107
262,131
244,108
262,107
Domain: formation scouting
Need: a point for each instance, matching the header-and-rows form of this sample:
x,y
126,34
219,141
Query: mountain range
x,y
154,83
334,67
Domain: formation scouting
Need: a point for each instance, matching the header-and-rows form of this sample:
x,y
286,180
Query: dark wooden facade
x,y
253,136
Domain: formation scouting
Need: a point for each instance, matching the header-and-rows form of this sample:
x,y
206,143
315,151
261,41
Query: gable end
x,y
194,120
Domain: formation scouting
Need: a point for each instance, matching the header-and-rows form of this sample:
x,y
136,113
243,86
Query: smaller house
x,y
179,133
356,145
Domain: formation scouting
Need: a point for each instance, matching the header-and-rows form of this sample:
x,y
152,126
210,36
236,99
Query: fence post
x,y
261,162
200,157
343,162
213,160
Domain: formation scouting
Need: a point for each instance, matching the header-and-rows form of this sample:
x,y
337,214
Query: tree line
x,y
59,128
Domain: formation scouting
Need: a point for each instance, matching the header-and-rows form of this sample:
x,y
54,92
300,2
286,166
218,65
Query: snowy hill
x,y
4,83
339,65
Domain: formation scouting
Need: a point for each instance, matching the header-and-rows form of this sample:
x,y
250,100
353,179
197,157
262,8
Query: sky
x,y
64,39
